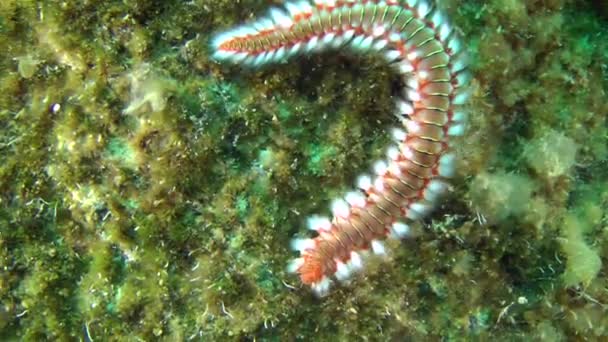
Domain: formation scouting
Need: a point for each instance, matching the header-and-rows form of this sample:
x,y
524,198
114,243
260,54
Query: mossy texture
x,y
148,193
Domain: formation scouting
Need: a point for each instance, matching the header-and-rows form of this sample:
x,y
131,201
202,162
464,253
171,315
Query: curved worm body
x,y
417,41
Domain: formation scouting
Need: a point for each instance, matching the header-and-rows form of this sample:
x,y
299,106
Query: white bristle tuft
x,y
280,54
413,95
243,31
280,18
459,116
364,183
269,56
423,8
412,126
393,153
423,75
437,186
348,35
312,44
321,288
304,6
258,59
248,61
399,134
302,244
340,208
337,42
221,38
367,43
434,190
379,30
461,98
392,55
380,167
400,230
319,223
405,107
294,265
412,82
456,130
431,196
356,42
421,207
458,65
355,263
394,37
355,199
379,185
262,24
412,56
455,46
222,55
328,38
444,31
417,211
342,271
239,57
437,19
413,215
295,49
462,79
380,45
404,67
447,165
378,247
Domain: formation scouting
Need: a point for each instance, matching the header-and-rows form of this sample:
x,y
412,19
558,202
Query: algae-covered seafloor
x,y
147,192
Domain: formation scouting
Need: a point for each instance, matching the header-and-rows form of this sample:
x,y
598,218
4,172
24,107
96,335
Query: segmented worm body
x,y
417,41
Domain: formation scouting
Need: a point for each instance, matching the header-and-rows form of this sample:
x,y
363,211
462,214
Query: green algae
x,y
149,193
